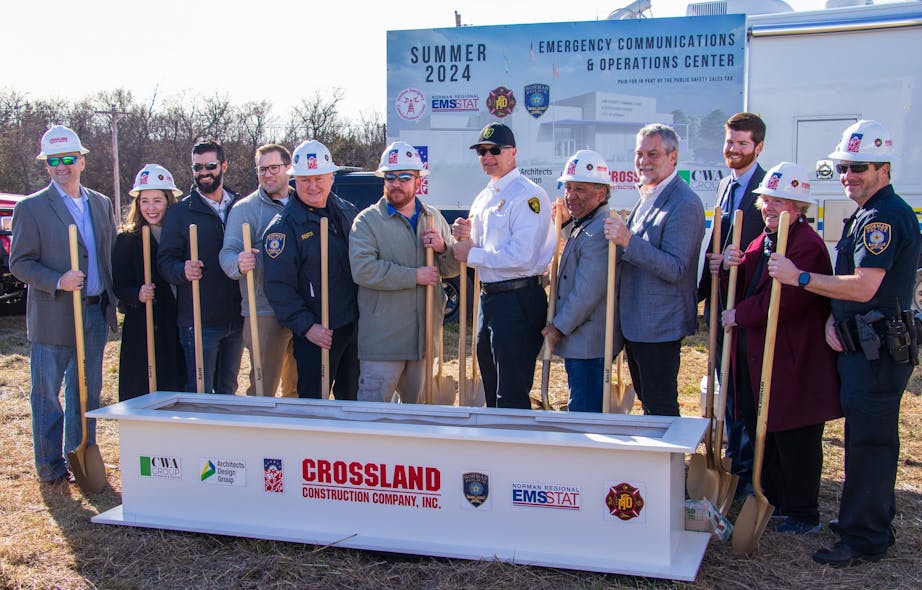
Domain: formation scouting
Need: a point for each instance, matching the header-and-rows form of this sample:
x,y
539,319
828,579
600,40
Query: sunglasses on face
x,y
855,168
210,166
403,177
494,150
66,160
271,169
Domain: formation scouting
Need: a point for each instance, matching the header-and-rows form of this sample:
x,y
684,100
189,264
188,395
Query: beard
x,y
208,187
747,159
399,197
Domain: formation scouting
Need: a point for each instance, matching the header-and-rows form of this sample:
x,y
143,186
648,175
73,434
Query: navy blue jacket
x,y
220,294
291,259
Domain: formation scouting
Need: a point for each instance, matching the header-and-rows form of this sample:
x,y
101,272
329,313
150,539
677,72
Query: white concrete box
x,y
571,490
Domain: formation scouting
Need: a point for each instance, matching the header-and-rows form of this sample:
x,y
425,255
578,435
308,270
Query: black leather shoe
x,y
844,555
65,478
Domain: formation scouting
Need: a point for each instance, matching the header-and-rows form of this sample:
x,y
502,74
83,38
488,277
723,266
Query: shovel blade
x,y
701,481
626,403
728,485
444,392
750,524
88,468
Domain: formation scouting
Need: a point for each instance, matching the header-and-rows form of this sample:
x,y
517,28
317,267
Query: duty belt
x,y
509,285
873,332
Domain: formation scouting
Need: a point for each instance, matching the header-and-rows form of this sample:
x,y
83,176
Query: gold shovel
x,y
325,304
551,309
254,321
757,510
85,462
149,313
197,315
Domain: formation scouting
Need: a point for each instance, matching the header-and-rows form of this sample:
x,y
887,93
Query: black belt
x,y
93,299
509,285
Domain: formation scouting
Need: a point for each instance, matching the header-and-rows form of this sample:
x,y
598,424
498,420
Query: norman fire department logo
x,y
537,99
624,501
501,102
877,237
476,487
275,244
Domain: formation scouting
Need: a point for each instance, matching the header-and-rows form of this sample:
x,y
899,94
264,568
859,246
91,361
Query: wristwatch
x,y
803,280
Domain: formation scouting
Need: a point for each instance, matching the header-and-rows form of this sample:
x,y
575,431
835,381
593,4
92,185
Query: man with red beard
x,y
743,142
206,206
387,252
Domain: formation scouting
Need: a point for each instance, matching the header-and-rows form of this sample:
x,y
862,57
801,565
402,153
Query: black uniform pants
x,y
870,395
654,370
508,344
344,365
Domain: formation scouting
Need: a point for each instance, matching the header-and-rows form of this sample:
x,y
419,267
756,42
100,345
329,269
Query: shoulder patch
x,y
877,236
534,204
275,244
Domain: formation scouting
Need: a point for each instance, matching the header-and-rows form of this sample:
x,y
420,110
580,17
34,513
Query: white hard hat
x,y
865,141
311,158
400,156
787,181
60,140
586,166
154,177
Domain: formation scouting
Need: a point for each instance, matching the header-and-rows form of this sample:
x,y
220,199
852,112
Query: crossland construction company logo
x,y
359,482
162,467
454,103
624,501
623,177
546,495
224,472
411,104
273,476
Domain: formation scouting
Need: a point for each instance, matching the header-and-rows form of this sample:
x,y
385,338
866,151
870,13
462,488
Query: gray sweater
x,y
257,209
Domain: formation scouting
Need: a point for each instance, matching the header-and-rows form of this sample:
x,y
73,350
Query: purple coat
x,y
805,382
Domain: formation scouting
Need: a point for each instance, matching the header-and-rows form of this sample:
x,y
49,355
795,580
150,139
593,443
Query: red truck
x,y
12,291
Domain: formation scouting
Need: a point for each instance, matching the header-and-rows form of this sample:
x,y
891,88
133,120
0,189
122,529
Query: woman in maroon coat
x,y
805,385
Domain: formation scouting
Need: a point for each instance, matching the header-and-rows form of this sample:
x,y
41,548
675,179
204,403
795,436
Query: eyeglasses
x,y
270,169
402,177
855,168
494,150
66,160
207,166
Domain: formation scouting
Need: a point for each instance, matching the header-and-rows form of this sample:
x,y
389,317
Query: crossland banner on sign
x,y
561,87
390,485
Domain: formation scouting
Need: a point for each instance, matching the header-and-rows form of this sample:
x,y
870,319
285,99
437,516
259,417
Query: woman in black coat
x,y
154,192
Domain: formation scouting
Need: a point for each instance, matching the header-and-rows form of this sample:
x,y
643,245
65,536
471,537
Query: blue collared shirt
x,y
83,219
743,182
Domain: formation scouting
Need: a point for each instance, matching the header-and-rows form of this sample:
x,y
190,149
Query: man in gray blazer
x,y
40,257
577,332
659,246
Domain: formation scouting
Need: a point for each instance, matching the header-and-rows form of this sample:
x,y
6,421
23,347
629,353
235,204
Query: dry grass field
x,y
49,542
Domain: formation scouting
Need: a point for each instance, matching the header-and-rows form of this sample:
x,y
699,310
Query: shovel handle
x,y
476,312
259,386
551,310
462,335
197,315
713,326
609,325
78,337
325,304
430,298
728,340
149,312
768,357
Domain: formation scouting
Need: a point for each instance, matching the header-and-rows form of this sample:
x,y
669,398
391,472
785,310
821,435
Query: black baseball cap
x,y
495,134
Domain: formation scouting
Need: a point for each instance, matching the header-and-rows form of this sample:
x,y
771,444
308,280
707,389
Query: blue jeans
x,y
584,377
221,350
55,429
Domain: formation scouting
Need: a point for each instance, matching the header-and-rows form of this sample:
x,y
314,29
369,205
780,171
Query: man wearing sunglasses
x,y
207,206
871,327
40,257
387,252
258,209
509,240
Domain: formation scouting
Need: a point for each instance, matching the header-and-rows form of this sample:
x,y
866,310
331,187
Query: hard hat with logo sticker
x,y
311,158
400,156
865,141
60,140
586,166
154,177
787,181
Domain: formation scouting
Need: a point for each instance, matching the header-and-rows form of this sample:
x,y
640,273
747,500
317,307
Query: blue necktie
x,y
729,197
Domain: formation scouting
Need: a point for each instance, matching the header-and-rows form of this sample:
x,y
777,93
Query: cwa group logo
x,y
703,179
160,467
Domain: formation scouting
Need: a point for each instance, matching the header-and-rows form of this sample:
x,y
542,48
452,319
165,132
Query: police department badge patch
x,y
624,501
476,487
275,244
534,204
877,237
